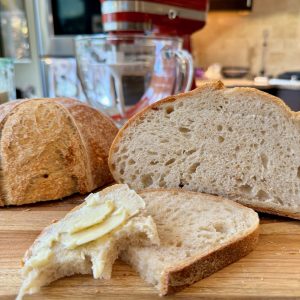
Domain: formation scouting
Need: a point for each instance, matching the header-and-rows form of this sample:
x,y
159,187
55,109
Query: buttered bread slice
x,y
89,238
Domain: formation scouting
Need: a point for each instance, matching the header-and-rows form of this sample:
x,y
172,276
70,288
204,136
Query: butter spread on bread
x,y
89,238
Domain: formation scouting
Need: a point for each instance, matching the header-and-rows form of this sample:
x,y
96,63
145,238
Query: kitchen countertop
x,y
266,84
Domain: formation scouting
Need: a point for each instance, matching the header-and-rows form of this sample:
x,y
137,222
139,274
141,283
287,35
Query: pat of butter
x,y
42,258
92,216
97,231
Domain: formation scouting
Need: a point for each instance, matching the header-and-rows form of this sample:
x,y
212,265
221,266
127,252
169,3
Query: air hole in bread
x,y
122,171
193,167
278,200
237,149
239,181
153,162
146,180
170,161
263,132
246,188
180,104
162,183
255,146
169,109
262,195
219,127
123,150
191,151
275,126
181,185
230,129
219,227
184,129
133,177
163,141
113,167
298,172
178,244
152,152
131,162
46,175
221,139
264,160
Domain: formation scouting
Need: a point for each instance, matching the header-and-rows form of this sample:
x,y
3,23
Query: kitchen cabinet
x,y
227,5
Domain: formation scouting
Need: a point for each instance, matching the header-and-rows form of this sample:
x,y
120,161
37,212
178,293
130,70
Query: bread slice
x,y
54,255
240,143
199,234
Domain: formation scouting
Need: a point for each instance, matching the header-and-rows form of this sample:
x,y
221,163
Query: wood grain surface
x,y
272,271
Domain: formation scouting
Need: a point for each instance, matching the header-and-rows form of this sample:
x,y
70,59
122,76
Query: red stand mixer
x,y
163,17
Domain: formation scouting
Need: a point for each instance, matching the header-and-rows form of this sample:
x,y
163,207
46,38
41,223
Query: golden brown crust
x,y
208,86
274,211
92,125
92,134
5,110
208,264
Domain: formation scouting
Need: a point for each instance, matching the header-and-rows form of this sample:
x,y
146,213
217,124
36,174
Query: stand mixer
x,y
140,53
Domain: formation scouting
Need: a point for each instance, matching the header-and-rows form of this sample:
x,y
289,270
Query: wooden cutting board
x,y
271,271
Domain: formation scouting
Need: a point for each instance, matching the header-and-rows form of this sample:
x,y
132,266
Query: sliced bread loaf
x,y
240,143
199,234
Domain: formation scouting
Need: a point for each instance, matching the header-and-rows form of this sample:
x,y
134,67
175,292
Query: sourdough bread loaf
x,y
52,148
199,234
240,143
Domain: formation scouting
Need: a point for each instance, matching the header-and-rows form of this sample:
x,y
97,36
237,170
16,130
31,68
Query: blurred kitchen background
x,y
245,43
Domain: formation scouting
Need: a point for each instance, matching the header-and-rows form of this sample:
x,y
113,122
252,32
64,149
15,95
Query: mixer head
x,y
169,17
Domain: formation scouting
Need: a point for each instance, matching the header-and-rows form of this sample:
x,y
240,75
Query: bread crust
x,y
91,125
93,131
208,86
184,274
205,265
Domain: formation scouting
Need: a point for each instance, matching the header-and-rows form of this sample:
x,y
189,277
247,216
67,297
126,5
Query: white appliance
x,y
53,24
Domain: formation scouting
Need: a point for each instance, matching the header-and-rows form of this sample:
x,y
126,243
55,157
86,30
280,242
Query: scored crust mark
x,y
86,182
93,124
240,143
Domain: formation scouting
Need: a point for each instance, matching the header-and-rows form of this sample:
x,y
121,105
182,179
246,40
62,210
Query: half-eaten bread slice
x,y
89,238
199,234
